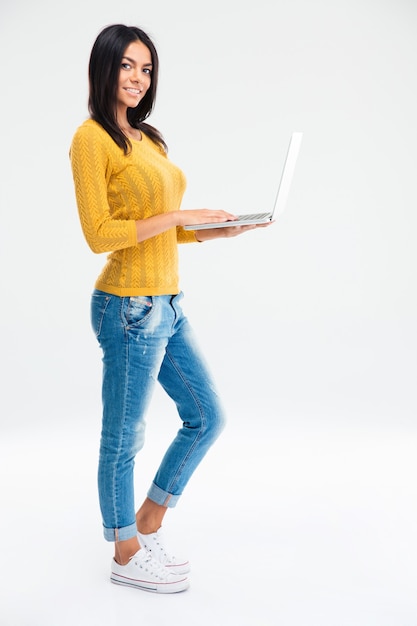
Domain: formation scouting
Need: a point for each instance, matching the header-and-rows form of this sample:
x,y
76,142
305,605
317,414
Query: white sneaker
x,y
154,544
145,572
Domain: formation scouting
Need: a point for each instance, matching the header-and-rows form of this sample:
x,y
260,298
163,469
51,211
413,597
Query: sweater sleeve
x,y
185,236
90,162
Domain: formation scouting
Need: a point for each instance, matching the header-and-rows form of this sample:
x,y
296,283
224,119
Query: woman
x,y
129,195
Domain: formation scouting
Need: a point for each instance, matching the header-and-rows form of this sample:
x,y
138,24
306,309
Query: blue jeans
x,y
144,339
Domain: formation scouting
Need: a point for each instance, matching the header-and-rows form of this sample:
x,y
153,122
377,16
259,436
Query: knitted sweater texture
x,y
112,191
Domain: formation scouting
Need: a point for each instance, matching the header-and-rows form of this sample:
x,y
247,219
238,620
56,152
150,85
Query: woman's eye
x,y
147,70
126,66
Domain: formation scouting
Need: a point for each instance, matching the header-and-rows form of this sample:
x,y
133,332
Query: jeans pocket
x,y
138,309
99,303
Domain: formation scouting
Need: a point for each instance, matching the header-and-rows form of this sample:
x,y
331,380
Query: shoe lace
x,y
154,567
159,543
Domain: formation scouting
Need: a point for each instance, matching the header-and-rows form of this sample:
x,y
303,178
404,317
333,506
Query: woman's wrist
x,y
178,217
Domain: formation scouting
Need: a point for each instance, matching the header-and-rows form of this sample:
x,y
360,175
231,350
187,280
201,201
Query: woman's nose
x,y
136,77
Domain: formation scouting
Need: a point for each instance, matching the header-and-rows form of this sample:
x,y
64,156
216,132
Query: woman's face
x,y
134,76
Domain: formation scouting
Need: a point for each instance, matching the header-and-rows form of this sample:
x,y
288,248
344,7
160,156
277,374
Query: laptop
x,y
280,198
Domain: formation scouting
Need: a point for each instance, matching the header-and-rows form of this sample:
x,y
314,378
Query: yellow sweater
x,y
112,191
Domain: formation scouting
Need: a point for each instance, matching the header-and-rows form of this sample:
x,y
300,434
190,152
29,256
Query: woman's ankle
x,y
124,550
149,517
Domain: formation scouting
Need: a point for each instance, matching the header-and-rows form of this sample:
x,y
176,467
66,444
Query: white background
x,y
304,514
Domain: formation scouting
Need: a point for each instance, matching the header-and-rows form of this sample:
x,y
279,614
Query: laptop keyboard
x,y
253,216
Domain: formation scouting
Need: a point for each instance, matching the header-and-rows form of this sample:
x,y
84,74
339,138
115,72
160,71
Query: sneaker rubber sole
x,y
163,587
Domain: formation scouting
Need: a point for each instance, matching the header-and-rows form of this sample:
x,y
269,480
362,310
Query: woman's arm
x,y
157,224
90,166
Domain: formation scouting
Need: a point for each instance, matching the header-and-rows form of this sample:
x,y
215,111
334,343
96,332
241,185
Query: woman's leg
x,y
185,377
132,336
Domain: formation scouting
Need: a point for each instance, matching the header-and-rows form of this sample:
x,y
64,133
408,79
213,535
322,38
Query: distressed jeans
x,y
145,339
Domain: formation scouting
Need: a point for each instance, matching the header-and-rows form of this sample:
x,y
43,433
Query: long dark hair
x,y
103,73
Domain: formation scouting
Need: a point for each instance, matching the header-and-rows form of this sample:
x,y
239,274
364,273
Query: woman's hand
x,y
227,231
203,216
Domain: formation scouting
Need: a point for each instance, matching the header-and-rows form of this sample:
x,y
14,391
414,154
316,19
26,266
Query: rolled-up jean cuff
x,y
161,497
120,534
